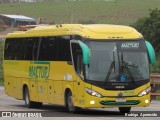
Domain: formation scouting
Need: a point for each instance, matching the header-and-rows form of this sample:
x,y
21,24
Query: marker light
x,y
145,92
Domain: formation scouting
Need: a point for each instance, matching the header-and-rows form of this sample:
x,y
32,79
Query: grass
x,y
1,82
123,12
1,75
1,58
100,11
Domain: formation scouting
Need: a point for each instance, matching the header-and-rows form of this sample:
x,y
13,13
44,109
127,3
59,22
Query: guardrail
x,y
155,86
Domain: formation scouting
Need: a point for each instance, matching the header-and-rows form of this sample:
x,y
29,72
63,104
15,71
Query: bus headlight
x,y
145,92
93,93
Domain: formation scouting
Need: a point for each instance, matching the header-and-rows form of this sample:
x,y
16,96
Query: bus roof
x,y
93,31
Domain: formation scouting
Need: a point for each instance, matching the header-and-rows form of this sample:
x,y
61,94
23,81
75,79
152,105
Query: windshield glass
x,y
119,61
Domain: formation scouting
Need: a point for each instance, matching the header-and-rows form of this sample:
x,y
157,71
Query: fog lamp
x,y
92,102
146,101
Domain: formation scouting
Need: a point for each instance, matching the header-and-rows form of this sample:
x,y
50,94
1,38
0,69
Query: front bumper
x,y
111,102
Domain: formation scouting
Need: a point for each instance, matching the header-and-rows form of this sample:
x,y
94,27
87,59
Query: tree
x,y
150,28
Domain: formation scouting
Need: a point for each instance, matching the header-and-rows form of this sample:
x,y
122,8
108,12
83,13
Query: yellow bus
x,y
79,66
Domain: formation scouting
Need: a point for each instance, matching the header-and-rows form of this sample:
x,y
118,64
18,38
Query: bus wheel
x,y
124,109
70,105
28,103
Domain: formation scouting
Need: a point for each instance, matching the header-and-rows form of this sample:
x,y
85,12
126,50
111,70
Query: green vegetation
x,y
1,65
100,11
150,28
156,67
1,82
124,12
1,25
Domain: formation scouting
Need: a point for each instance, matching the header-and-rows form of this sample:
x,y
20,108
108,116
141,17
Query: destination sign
x,y
39,70
130,45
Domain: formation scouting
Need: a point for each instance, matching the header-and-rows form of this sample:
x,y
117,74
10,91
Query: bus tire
x,y
124,109
28,102
70,104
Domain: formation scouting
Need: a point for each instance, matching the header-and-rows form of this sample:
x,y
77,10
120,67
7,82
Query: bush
x,y
2,25
1,60
150,29
155,68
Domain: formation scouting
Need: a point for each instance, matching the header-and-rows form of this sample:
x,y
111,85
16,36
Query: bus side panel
x,y
43,74
59,95
15,73
18,88
13,87
50,93
38,72
33,89
43,90
80,92
9,86
63,77
10,79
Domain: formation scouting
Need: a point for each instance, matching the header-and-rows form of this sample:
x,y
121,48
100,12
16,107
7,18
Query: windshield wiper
x,y
125,65
109,72
130,65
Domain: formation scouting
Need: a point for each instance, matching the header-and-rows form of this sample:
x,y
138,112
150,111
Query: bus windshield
x,y
119,61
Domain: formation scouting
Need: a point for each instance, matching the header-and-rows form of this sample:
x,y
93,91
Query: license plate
x,y
120,100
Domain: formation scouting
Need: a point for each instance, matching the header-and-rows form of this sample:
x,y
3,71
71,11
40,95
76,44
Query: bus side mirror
x,y
151,52
85,52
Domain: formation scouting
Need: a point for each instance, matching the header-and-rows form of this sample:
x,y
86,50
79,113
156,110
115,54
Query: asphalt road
x,y
59,112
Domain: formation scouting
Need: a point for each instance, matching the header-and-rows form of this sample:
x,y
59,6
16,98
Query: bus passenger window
x,y
31,47
64,53
42,50
7,50
48,49
14,49
52,49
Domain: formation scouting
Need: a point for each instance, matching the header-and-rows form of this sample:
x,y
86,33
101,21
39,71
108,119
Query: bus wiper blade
x,y
109,72
130,65
125,65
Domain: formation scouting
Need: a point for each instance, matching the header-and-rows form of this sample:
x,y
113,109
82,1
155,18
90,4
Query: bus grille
x,y
129,102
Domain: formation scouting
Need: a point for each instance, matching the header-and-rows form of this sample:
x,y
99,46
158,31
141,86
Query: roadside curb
x,y
1,87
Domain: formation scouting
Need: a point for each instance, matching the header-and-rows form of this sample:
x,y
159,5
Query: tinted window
x,y
43,49
31,48
48,49
14,49
55,49
64,52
